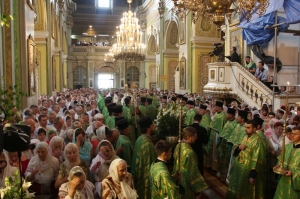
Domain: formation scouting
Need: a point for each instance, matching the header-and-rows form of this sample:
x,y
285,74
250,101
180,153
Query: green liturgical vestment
x,y
110,122
237,134
101,102
143,109
250,160
143,156
224,149
216,126
191,178
162,183
105,113
127,149
128,114
205,122
152,111
189,118
289,187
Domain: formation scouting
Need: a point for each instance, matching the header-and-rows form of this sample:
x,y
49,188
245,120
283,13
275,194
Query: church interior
x,y
51,46
54,45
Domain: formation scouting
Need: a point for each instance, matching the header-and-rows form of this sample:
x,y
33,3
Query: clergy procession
x,y
110,144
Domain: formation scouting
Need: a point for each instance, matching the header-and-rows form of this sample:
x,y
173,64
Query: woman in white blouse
x,y
42,171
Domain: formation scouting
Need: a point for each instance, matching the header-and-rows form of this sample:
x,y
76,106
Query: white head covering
x,y
100,132
87,189
8,171
56,139
69,165
126,190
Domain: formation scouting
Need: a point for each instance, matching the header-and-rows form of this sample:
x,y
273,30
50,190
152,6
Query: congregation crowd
x,y
87,143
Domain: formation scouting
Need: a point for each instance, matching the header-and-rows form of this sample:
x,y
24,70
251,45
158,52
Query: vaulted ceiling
x,y
102,21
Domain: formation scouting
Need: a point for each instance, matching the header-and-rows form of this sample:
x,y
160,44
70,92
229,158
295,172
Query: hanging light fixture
x,y
109,58
218,9
129,46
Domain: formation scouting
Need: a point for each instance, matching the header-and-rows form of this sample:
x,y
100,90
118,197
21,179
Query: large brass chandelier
x,y
218,9
109,58
129,46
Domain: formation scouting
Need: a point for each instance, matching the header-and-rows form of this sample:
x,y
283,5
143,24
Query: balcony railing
x,y
75,50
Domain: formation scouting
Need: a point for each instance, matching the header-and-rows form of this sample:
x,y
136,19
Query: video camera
x,y
218,51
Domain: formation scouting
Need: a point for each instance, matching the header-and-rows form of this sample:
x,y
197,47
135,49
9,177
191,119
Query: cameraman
x,y
234,57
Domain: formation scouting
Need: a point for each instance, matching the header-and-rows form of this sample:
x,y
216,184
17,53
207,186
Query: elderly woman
x,y
42,170
68,136
77,186
56,147
101,162
72,159
6,170
85,148
119,183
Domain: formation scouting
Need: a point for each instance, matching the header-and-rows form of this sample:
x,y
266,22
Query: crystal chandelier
x,y
129,46
109,58
218,9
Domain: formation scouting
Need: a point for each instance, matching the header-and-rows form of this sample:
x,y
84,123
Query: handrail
x,y
240,84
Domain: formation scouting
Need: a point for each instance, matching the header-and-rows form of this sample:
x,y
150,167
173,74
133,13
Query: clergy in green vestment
x,y
101,102
110,120
189,117
247,177
224,148
108,101
216,126
289,183
128,113
237,135
143,156
206,120
163,185
123,145
152,110
143,107
186,162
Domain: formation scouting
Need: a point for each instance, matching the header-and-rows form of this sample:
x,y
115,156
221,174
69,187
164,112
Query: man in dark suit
x,y
202,138
234,57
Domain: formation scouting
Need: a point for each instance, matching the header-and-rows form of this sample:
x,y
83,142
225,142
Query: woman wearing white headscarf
x,y
42,170
101,163
72,159
119,183
6,170
56,147
77,186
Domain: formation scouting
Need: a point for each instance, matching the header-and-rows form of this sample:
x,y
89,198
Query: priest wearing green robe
x,y
152,110
128,113
289,183
110,120
216,126
163,185
186,163
123,145
224,148
206,120
143,156
247,177
143,107
189,117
